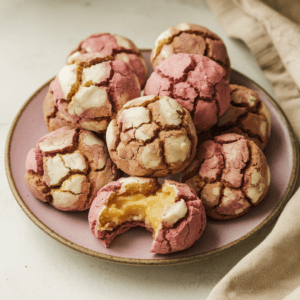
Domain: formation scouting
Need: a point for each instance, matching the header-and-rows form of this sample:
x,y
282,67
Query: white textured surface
x,y
170,111
36,37
96,73
174,212
67,77
86,98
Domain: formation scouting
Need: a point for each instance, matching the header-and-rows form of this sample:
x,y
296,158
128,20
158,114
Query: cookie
x,y
229,174
197,83
152,136
172,212
53,118
191,39
92,88
117,46
247,115
68,167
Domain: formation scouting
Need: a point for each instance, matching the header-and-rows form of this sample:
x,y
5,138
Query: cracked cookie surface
x,y
229,174
152,136
191,39
92,88
119,47
172,212
68,167
53,118
196,82
247,115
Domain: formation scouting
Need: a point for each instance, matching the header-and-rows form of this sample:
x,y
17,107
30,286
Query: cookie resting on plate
x,y
229,174
247,115
117,46
192,39
68,167
92,88
194,81
172,212
152,136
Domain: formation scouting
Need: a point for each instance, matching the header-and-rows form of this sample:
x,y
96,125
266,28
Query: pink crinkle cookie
x,y
172,212
230,174
192,39
197,83
68,167
119,47
92,88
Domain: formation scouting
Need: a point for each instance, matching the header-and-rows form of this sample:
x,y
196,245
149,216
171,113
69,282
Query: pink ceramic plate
x,y
72,229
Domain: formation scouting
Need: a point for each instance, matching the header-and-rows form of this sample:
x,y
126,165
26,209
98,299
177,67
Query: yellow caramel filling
x,y
136,206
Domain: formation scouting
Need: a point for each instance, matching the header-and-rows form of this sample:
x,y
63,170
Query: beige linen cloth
x,y
271,30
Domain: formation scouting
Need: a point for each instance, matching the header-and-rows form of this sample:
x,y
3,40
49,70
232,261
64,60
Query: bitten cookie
x,y
53,118
117,46
92,88
229,174
192,39
247,115
172,212
68,167
152,136
197,83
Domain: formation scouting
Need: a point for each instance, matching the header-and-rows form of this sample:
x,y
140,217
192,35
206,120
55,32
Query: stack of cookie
x,y
189,121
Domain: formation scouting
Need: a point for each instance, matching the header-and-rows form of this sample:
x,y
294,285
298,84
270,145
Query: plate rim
x,y
157,262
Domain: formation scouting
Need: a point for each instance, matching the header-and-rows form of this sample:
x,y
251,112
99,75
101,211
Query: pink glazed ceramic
x,y
72,229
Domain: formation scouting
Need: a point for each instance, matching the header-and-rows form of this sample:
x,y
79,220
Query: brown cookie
x,y
191,39
229,174
68,167
152,136
247,115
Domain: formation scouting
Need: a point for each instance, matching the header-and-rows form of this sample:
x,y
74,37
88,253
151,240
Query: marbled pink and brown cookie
x,y
172,212
68,167
229,174
92,88
152,136
117,46
197,83
191,39
53,118
247,115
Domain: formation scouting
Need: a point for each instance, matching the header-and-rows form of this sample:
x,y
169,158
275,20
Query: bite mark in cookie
x,y
172,212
